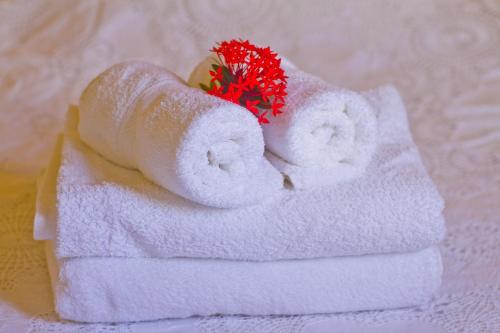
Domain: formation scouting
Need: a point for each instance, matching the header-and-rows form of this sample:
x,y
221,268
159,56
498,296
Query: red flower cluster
x,y
249,76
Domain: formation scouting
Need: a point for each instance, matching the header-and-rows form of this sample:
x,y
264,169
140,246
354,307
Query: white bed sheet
x,y
443,55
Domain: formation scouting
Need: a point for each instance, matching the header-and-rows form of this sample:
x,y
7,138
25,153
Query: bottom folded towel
x,y
121,289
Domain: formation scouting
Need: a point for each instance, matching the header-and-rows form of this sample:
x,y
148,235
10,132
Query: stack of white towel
x,y
162,201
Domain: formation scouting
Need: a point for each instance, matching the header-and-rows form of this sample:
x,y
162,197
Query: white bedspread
x,y
444,56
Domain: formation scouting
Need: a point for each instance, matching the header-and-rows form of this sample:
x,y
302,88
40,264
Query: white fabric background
x,y
443,55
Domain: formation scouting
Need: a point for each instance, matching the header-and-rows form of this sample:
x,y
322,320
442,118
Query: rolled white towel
x,y
200,147
324,136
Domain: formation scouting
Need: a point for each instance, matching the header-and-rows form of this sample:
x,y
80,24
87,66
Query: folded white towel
x,y
324,136
87,289
106,210
200,147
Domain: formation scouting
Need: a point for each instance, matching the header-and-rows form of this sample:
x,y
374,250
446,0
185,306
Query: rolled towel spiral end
x,y
325,135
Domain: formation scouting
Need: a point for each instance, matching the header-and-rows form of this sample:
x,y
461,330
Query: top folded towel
x,y
105,210
324,136
198,146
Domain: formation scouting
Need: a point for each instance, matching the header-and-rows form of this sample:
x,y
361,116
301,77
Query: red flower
x,y
250,76
217,75
251,105
262,118
276,107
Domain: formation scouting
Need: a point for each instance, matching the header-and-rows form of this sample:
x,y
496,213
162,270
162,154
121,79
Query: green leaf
x,y
226,74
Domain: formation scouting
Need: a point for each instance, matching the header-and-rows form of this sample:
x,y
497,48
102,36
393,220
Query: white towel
x,y
118,289
105,210
200,147
324,136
